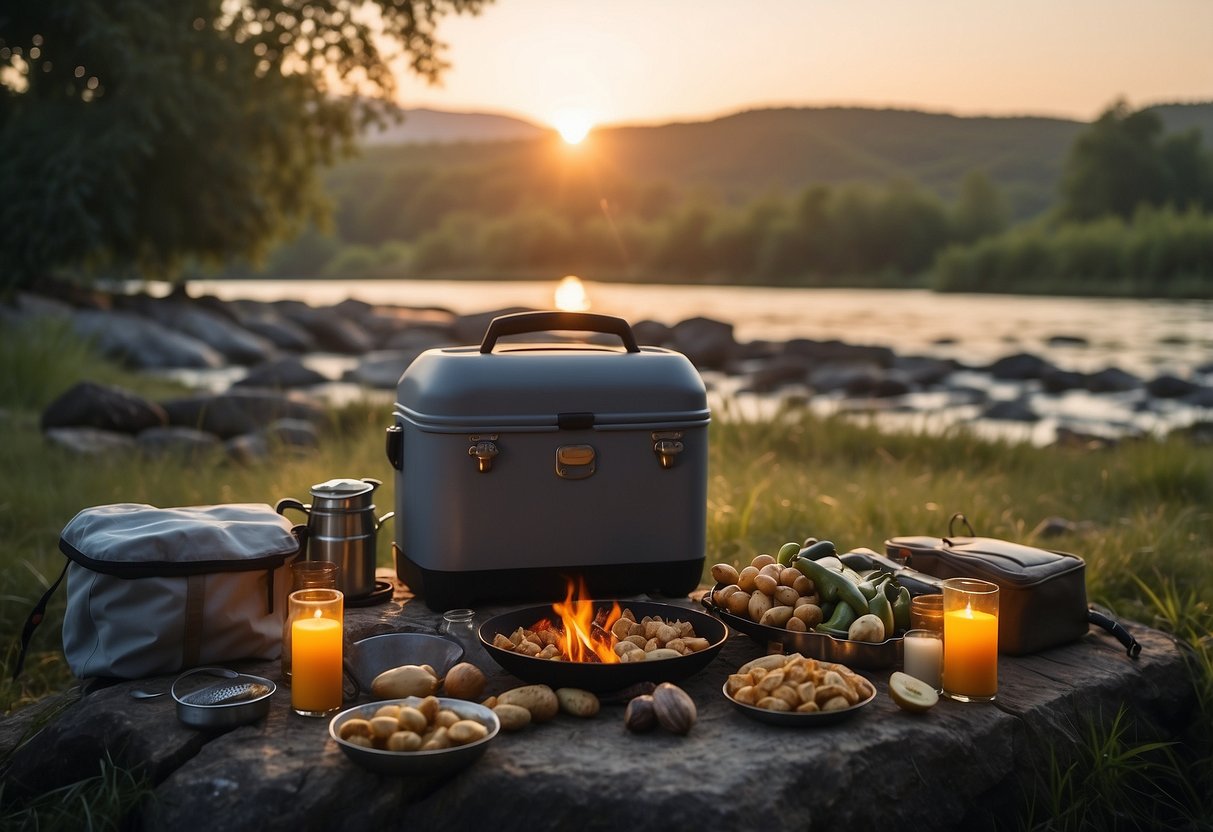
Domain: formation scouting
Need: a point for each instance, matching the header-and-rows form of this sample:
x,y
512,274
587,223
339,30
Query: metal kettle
x,y
341,528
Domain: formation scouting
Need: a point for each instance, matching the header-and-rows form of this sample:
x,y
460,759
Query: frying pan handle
x,y
523,322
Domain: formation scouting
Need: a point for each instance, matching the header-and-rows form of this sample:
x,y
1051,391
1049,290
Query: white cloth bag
x,y
154,590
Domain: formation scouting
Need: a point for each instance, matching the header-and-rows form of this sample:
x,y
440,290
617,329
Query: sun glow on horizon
x,y
571,296
573,124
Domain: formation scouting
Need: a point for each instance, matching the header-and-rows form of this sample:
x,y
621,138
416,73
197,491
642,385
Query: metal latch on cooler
x,y
484,449
575,462
667,445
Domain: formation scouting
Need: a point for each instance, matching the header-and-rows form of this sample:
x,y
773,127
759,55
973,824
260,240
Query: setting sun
x,y
571,296
573,124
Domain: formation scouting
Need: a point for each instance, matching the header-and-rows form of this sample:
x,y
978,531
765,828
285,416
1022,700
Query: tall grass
x,y
1147,535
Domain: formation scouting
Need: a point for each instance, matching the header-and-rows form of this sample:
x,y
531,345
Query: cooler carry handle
x,y
523,322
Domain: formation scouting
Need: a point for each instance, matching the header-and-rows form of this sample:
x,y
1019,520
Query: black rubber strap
x,y
952,522
34,619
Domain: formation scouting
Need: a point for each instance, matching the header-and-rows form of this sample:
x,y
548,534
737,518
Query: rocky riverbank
x,y
269,356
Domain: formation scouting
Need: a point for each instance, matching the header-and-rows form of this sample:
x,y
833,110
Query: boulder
x,y
891,383
418,338
247,448
852,379
706,342
382,370
1200,397
240,411
652,333
177,441
1067,341
1167,386
1053,380
218,331
143,344
923,371
469,329
1112,380
281,373
841,352
1019,367
90,441
1013,410
776,372
330,330
292,433
88,404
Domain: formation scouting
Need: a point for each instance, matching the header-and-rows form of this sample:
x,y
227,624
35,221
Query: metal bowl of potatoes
x,y
439,761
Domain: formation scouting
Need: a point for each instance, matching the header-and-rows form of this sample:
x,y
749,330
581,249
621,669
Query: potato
x,y
776,617
355,728
577,702
464,681
540,700
785,596
465,731
659,653
407,680
738,603
724,573
720,596
513,717
762,560
383,727
759,604
867,628
445,719
766,584
404,741
788,576
411,719
809,614
745,578
429,708
389,710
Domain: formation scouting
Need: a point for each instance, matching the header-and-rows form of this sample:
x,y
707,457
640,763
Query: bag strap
x,y
951,522
35,618
195,597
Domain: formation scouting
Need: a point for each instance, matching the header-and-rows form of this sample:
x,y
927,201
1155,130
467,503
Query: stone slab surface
x,y
957,765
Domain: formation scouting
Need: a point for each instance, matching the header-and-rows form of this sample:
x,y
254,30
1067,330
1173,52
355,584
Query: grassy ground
x,y
1148,536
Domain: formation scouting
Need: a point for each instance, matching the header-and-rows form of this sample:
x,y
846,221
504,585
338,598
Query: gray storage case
x,y
523,466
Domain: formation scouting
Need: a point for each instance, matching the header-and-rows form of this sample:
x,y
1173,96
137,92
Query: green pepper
x,y
787,552
868,589
833,586
873,586
838,623
880,607
827,608
818,549
901,606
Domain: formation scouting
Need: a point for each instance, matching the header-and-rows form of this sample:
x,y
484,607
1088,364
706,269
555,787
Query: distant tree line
x,y
1134,215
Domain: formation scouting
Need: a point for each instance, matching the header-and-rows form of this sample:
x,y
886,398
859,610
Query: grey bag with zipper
x,y
155,590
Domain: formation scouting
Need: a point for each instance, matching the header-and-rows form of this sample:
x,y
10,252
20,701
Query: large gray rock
x,y
240,411
143,344
959,766
777,372
90,441
177,441
469,329
1011,410
330,330
88,404
1167,386
381,370
839,352
1053,380
1112,380
288,372
924,371
220,332
1019,367
706,342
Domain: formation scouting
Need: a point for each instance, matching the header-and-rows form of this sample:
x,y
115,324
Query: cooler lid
x,y
551,386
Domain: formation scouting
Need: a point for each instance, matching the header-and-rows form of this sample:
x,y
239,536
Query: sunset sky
x,y
646,61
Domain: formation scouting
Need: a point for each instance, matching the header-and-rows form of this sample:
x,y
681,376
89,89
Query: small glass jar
x,y
926,612
460,625
305,574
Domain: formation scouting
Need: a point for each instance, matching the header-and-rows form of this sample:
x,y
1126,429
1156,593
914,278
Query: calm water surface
x,y
1144,337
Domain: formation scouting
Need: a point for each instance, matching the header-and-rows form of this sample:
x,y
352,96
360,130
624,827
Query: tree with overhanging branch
x,y
136,134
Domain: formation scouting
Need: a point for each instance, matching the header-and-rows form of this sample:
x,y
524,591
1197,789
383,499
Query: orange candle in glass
x,y
316,632
970,639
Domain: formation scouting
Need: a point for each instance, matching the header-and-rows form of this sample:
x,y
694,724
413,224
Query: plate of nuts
x,y
415,735
792,690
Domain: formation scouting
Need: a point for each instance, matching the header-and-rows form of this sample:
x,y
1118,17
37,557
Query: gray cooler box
x,y
522,466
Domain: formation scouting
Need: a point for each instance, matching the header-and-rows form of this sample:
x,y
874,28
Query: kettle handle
x,y
372,482
384,519
288,502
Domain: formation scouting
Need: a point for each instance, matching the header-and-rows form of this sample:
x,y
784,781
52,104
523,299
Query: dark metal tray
x,y
855,654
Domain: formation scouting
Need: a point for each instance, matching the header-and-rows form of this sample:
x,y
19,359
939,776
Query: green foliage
x,y
1124,161
1158,253
103,802
142,132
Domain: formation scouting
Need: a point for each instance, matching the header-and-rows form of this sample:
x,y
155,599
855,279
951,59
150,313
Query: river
x,y
1145,337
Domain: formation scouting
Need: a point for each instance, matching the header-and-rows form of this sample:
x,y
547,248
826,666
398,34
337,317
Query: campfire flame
x,y
585,637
